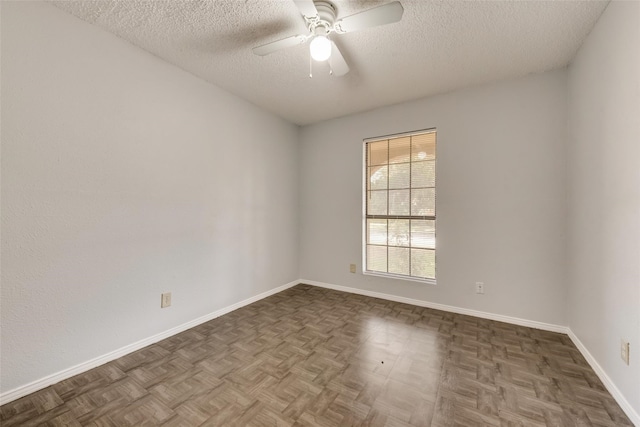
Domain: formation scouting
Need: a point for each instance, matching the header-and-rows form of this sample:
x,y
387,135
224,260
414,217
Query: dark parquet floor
x,y
315,357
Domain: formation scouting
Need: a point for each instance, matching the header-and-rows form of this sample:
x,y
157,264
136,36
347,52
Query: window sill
x,y
400,277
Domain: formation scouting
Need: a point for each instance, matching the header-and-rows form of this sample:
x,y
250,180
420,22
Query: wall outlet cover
x,y
624,351
166,300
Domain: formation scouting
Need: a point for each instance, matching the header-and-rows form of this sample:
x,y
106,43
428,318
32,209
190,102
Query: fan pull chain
x,y
310,68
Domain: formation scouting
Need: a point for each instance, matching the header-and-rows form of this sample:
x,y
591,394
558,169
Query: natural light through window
x,y
400,206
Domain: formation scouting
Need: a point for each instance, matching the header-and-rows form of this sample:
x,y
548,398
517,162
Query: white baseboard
x,y
611,387
617,395
34,386
450,308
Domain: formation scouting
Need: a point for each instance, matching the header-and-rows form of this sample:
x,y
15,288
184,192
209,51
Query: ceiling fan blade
x,y
385,14
337,63
307,8
268,48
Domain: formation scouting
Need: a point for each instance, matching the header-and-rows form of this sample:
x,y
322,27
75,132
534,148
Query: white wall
x,y
124,177
500,201
604,194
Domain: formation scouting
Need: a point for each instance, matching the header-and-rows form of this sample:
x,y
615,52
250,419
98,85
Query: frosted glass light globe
x,y
320,48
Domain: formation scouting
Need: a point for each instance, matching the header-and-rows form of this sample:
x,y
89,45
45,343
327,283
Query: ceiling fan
x,y
320,17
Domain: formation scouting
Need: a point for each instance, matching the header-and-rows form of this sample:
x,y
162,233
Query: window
x,y
400,206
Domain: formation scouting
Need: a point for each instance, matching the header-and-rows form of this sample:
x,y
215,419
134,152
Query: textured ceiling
x,y
438,46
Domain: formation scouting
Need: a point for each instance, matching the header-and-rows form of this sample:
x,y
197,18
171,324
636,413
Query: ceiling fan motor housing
x,y
326,11
322,24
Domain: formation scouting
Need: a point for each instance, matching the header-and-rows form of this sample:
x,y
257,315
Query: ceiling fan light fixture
x,y
320,48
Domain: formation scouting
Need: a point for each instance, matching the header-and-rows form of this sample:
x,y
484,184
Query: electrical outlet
x,y
352,268
479,287
166,300
624,351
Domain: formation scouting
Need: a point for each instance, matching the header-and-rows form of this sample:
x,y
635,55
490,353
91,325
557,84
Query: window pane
x,y
377,231
398,202
377,258
399,175
399,232
400,150
378,153
400,192
399,260
377,202
423,263
423,174
423,201
423,234
378,178
423,147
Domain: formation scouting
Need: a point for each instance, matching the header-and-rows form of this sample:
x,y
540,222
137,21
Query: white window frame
x,y
431,281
